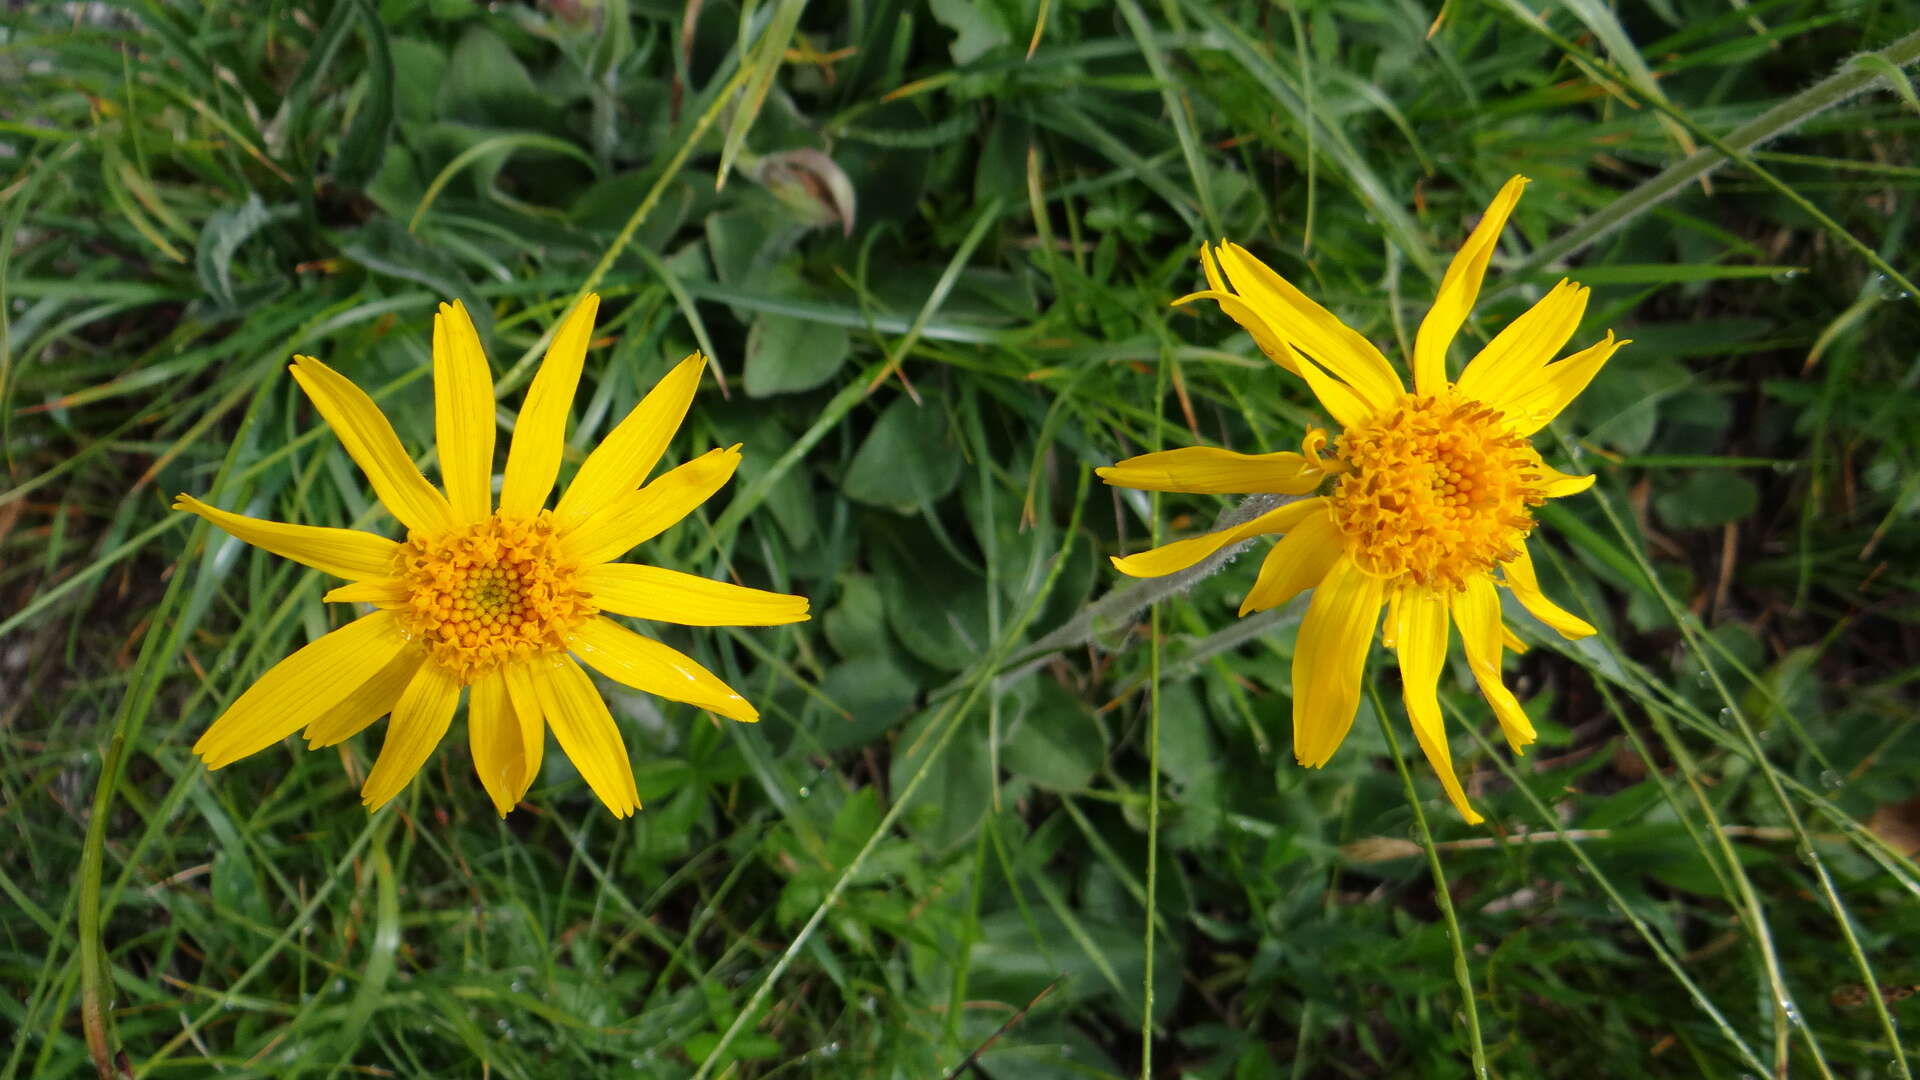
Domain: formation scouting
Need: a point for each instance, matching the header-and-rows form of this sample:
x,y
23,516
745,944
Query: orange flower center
x,y
490,593
1435,490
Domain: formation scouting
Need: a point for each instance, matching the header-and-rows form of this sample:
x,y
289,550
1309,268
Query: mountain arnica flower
x,y
1427,494
505,601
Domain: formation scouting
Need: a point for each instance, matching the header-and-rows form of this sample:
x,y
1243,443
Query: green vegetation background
x,y
941,841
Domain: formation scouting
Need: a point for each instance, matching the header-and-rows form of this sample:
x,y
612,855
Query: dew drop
x,y
1701,678
1726,716
1831,780
805,792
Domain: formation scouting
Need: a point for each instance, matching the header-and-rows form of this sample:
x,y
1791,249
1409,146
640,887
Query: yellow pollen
x,y
1436,490
489,593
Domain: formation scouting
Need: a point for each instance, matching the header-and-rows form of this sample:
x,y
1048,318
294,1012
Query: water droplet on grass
x,y
1831,780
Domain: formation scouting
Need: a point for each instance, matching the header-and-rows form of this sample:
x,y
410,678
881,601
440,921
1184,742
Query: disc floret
x,y
494,592
1436,490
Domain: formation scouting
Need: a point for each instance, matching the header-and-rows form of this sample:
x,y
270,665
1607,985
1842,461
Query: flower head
x,y
502,601
1427,493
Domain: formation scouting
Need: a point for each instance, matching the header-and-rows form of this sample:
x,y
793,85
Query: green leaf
x,y
1058,745
907,461
786,355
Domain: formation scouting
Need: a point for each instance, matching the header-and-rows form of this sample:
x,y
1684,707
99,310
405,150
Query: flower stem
x,y
1461,973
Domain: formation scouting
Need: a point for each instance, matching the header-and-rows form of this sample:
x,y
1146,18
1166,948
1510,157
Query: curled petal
x,y
1422,645
1297,563
1476,609
1526,588
1458,289
1170,558
1526,344
1329,658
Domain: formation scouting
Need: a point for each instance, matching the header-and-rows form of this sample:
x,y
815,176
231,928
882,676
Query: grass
x,y
1008,815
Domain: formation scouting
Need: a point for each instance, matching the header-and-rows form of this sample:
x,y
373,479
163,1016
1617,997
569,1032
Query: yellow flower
x,y
1431,491
501,600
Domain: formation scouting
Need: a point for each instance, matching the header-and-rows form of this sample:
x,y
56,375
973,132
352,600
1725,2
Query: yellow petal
x,y
1559,485
624,458
493,734
645,664
1458,288
347,553
1422,645
518,679
463,413
1526,588
1329,658
420,718
382,592
1296,563
301,688
1476,609
540,433
1169,558
1512,641
1526,344
1251,321
638,516
1343,351
651,592
370,441
1208,470
586,732
374,699
1536,400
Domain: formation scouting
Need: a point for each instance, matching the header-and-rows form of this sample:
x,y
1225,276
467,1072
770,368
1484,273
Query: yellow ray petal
x,y
347,553
586,732
1422,645
300,689
1525,345
1458,288
1340,349
1526,588
1476,609
493,734
1329,658
630,451
382,592
1250,320
651,592
420,718
1559,485
1206,469
363,429
645,664
463,413
518,679
1169,558
1296,563
639,516
1536,400
1512,641
540,433
374,699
